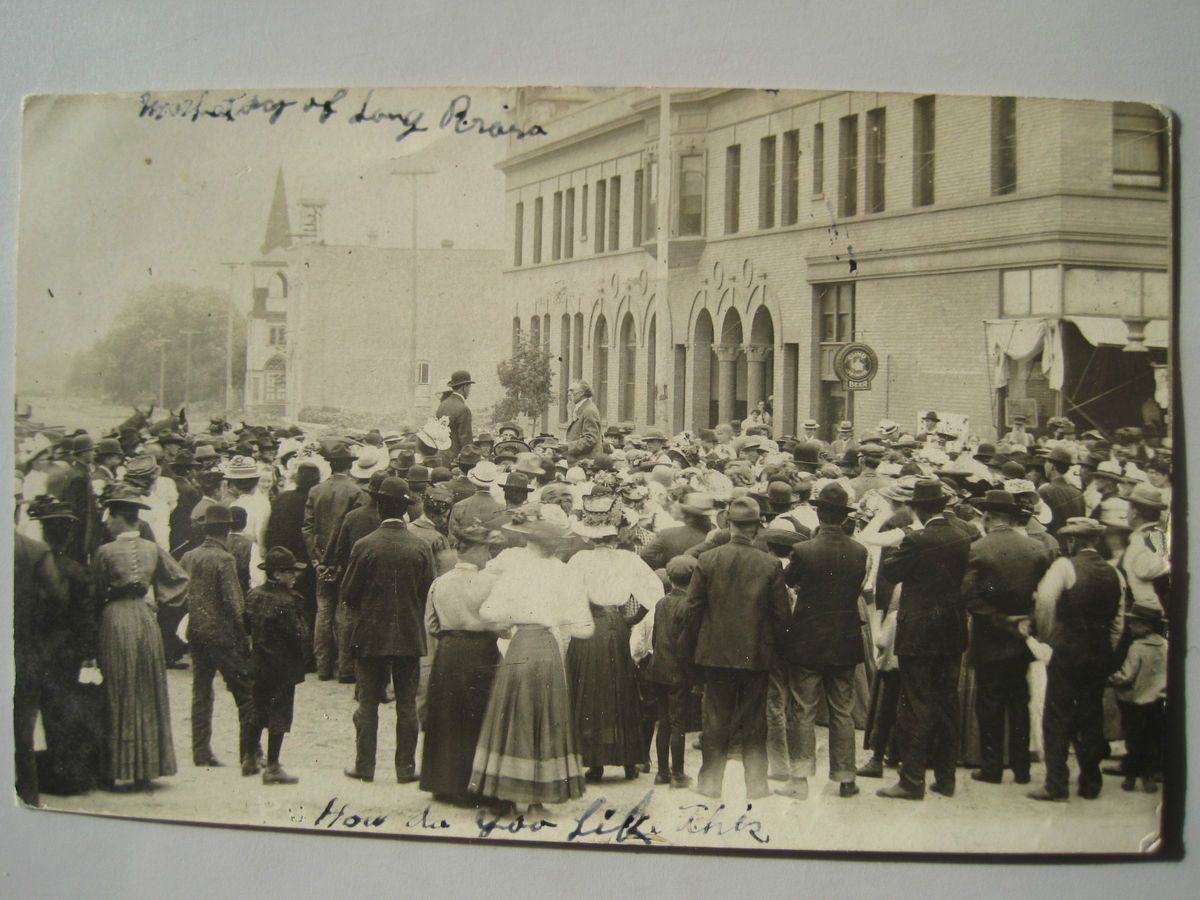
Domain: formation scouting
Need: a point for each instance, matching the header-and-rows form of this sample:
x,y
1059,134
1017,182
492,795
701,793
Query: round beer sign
x,y
856,365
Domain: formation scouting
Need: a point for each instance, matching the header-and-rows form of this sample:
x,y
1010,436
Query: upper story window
x,y
537,231
876,159
836,305
923,150
422,371
519,235
556,226
277,336
569,224
848,166
791,177
583,213
1139,146
691,195
818,158
639,205
614,212
1004,145
600,203
766,182
733,187
652,200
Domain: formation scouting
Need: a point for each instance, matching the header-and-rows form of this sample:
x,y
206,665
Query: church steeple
x,y
279,228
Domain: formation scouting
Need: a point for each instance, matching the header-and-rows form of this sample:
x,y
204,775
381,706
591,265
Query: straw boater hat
x,y
238,468
483,474
370,460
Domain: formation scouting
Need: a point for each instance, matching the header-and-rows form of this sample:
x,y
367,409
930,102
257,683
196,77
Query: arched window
x,y
600,366
651,375
564,366
628,369
275,382
535,331
516,335
277,287
577,344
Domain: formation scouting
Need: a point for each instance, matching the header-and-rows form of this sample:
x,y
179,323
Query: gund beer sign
x,y
856,365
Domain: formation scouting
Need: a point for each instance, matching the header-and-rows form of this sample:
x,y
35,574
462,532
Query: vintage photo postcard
x,y
728,469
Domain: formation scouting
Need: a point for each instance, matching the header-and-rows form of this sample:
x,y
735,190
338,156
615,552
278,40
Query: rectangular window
x,y
556,239
848,166
691,195
1004,145
766,182
652,202
569,225
836,303
923,150
733,187
519,235
422,372
537,230
819,158
1139,146
583,215
278,336
599,203
791,178
614,212
876,156
639,201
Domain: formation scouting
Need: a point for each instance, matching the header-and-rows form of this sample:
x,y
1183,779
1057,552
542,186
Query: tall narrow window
x,y
651,372
1139,146
876,158
766,182
627,374
600,362
569,225
583,214
733,187
537,230
923,150
819,158
848,166
519,235
791,178
691,195
577,348
564,362
535,332
652,202
516,334
556,239
639,205
599,203
1004,145
614,212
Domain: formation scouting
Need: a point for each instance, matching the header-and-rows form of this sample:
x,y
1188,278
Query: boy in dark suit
x,y
669,673
278,637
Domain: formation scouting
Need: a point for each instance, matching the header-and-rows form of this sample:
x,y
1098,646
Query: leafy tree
x,y
123,366
527,381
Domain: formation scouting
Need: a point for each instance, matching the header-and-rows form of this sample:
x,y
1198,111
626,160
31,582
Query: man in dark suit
x,y
697,510
824,641
736,613
385,587
324,510
1002,574
78,493
1064,499
585,438
454,408
931,634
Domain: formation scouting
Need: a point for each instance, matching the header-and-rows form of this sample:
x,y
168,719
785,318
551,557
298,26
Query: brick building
x,y
997,254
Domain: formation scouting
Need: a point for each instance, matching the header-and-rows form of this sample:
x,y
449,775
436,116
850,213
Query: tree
x,y
527,381
123,366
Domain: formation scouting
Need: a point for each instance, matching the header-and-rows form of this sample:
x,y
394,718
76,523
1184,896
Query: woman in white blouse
x,y
621,588
527,753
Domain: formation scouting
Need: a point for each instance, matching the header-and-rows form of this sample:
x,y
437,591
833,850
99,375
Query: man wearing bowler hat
x,y
735,615
824,641
1003,572
78,493
1064,499
217,638
454,408
931,634
385,586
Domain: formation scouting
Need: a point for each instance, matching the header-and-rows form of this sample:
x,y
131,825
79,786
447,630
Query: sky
x,y
112,201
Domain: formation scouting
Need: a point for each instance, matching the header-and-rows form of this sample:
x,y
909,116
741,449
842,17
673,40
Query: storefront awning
x,y
1020,339
1106,331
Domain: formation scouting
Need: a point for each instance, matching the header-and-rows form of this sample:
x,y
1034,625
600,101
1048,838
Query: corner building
x,y
999,255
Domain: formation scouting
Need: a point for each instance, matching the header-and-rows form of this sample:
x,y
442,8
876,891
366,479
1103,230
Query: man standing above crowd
x,y
736,614
929,565
385,586
1002,574
584,436
454,408
324,511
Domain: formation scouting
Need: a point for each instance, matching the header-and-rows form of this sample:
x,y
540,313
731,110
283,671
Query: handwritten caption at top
x,y
338,106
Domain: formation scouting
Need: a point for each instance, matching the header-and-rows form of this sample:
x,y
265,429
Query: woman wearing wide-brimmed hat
x,y
601,672
132,577
528,748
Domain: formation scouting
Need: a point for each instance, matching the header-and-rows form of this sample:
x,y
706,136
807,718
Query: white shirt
x,y
611,576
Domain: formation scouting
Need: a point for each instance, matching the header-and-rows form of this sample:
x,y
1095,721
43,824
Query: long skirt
x,y
138,742
459,686
528,750
604,693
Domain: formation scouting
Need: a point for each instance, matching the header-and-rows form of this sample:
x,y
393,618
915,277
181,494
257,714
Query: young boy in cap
x,y
1141,685
278,636
669,673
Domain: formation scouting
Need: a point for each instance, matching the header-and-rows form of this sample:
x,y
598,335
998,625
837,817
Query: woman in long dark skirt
x,y
133,575
606,701
528,749
464,668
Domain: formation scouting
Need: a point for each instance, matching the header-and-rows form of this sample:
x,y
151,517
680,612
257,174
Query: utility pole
x,y
162,372
664,352
413,175
187,364
229,340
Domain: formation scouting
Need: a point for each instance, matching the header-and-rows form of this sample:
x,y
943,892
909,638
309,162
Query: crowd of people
x,y
544,609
